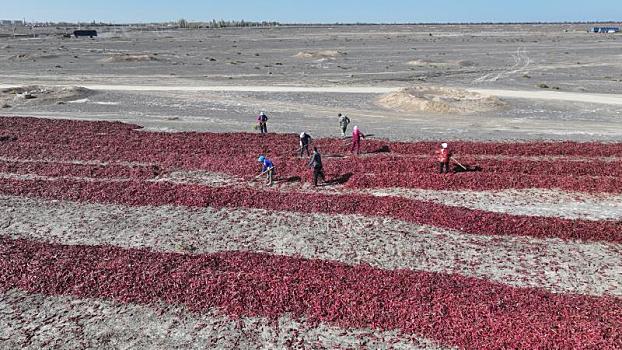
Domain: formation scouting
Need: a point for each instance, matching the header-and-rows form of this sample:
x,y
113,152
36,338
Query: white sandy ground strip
x,y
14,176
395,155
33,321
235,88
546,158
610,99
531,202
556,265
75,161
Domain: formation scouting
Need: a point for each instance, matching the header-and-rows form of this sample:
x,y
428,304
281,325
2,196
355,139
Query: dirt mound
x,y
441,100
35,94
324,54
117,58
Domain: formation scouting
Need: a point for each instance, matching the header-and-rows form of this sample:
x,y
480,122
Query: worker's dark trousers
x,y
344,128
444,165
263,128
318,173
356,145
303,148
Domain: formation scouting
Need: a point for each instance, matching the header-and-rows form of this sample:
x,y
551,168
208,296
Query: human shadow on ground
x,y
383,149
292,179
7,138
338,180
332,156
469,169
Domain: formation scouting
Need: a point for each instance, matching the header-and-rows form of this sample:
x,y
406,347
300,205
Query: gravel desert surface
x,y
554,81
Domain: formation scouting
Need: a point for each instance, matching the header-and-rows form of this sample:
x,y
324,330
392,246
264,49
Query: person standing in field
x,y
305,140
344,121
316,164
357,134
443,155
262,122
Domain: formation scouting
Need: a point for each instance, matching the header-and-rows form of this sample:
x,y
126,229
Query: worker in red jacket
x,y
443,154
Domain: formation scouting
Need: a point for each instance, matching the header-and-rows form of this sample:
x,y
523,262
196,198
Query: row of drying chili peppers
x,y
469,313
472,221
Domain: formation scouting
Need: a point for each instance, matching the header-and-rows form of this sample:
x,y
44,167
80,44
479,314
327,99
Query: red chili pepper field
x,y
110,234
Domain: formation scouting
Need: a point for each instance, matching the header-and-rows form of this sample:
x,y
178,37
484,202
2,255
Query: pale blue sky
x,y
313,11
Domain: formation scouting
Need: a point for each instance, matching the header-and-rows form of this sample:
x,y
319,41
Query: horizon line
x,y
112,23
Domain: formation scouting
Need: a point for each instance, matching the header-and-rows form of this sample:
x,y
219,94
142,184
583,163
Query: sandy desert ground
x,y
114,236
550,79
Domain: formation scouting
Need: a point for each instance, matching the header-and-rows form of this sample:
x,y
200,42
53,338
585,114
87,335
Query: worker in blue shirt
x,y
267,168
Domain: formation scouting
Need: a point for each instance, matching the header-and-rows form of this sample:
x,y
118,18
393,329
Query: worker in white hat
x,y
443,155
357,135
262,122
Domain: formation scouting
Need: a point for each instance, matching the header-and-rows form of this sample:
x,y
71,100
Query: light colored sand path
x,y
610,99
531,202
33,321
74,161
553,264
234,88
527,202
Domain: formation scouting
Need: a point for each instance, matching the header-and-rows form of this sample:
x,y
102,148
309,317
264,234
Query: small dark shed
x,y
89,33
